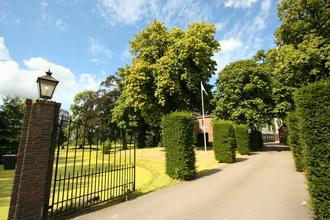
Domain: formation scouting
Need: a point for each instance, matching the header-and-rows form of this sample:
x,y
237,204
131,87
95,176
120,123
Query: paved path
x,y
264,186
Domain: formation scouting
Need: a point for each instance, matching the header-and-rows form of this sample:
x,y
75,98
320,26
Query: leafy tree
x,y
166,71
301,18
303,55
244,93
11,117
83,108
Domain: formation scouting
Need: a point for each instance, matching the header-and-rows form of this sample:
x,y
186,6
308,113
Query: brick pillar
x,y
35,157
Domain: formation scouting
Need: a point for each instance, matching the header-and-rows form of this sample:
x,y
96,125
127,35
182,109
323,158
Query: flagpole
x,y
203,119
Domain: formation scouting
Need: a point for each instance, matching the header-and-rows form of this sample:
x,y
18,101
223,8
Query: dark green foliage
x,y
224,141
256,142
313,107
242,139
244,93
294,140
177,129
11,116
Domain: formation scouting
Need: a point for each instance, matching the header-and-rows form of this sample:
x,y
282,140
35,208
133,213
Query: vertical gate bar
x,y
89,165
102,168
58,192
97,152
109,167
74,162
98,181
111,175
116,170
130,163
84,195
67,194
56,166
76,189
125,165
92,192
121,168
66,161
82,165
134,165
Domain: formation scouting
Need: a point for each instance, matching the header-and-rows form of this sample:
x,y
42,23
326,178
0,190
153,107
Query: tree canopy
x,y
11,117
167,68
244,93
303,55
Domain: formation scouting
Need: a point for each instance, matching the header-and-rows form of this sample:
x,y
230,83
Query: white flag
x,y
203,89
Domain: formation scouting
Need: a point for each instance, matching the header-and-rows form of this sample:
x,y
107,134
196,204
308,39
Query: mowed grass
x,y
150,169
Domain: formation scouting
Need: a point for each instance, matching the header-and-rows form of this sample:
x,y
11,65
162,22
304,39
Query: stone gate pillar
x,y
31,188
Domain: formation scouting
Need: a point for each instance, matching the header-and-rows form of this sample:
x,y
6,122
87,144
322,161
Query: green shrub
x,y
256,142
242,139
224,141
294,140
106,147
177,138
313,107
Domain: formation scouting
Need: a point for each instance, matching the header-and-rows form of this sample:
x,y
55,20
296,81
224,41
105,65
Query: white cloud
x,y
249,32
47,19
4,53
260,20
229,45
172,12
239,3
97,50
182,12
21,80
88,80
127,12
60,24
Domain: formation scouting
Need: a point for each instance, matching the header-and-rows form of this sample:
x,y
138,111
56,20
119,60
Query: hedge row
x,y
256,142
177,138
242,139
224,145
313,108
294,140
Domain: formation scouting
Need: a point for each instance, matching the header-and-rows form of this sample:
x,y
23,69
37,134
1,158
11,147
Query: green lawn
x,y
150,171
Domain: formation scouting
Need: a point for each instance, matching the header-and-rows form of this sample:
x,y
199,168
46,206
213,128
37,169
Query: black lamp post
x,y
47,85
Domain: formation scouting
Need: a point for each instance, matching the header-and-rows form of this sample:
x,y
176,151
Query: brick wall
x,y
35,157
198,127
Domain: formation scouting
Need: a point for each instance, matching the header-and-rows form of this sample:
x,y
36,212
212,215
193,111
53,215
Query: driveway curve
x,y
263,186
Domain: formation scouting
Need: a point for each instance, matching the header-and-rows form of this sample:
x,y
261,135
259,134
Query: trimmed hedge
x,y
256,142
224,144
313,107
242,139
294,140
177,138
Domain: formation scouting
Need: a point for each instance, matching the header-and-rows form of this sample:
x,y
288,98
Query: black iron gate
x,y
91,166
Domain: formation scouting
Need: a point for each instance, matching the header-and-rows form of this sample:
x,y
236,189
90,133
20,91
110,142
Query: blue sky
x,y
83,41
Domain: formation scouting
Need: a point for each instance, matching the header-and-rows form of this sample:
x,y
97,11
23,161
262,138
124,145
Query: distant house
x,y
198,130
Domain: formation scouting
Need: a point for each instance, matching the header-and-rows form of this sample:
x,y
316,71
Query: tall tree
x,y
83,107
303,55
11,117
244,93
301,18
167,69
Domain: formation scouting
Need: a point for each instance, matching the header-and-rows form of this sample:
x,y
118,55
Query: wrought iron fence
x,y
91,166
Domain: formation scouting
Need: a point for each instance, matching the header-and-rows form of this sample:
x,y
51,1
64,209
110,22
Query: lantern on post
x,y
47,85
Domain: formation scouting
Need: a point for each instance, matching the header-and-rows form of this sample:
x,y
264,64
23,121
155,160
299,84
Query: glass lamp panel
x,y
47,88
